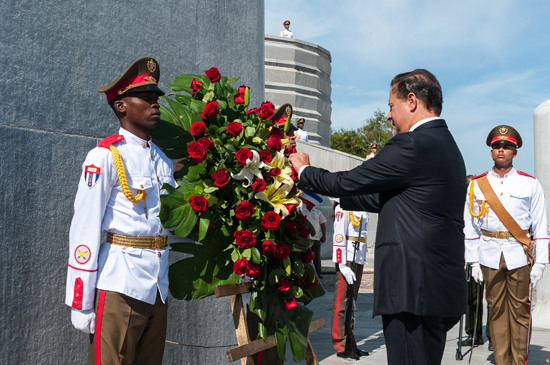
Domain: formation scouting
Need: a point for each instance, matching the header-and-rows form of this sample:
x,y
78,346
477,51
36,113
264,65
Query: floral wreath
x,y
237,198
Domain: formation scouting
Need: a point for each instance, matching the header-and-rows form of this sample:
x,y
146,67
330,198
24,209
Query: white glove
x,y
348,274
477,275
83,320
536,273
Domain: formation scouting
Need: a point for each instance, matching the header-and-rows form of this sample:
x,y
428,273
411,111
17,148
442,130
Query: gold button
x,y
123,247
159,254
157,280
78,286
77,295
158,178
502,182
141,186
75,303
160,231
500,194
143,145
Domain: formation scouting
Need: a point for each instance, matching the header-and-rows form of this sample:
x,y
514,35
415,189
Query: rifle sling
x,y
506,219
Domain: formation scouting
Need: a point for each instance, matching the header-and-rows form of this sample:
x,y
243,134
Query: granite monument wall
x,y
53,55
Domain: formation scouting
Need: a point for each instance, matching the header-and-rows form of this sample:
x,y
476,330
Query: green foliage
x,y
376,129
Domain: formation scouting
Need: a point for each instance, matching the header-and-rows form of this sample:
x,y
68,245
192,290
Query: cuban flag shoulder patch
x,y
91,175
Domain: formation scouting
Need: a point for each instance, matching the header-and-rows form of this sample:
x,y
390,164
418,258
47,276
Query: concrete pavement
x,y
369,336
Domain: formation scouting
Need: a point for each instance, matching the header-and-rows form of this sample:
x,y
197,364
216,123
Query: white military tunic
x,y
100,205
522,196
302,135
342,250
370,155
286,33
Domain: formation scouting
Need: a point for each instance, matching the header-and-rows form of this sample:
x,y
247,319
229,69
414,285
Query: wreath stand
x,y
247,348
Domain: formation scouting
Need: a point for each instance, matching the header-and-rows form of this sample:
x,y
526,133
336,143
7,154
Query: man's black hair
x,y
424,85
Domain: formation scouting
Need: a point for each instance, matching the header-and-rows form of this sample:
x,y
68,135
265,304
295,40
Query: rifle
x,y
350,350
459,355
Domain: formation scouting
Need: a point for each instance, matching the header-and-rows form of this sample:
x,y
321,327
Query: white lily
x,y
276,195
251,170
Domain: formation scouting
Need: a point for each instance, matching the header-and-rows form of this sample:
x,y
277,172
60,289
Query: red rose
x,y
197,152
243,155
265,156
198,129
283,285
267,109
310,285
258,185
290,150
254,270
239,97
277,132
210,110
290,303
294,253
254,110
274,143
298,280
241,266
291,227
244,210
294,190
269,247
196,85
234,129
303,218
305,231
291,208
220,177
244,238
274,172
213,74
271,221
294,175
206,142
308,256
198,203
282,251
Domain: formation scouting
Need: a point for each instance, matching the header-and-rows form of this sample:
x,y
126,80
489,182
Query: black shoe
x,y
490,346
359,352
468,342
341,354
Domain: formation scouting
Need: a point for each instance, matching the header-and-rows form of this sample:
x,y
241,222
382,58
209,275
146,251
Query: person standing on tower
x,y
286,32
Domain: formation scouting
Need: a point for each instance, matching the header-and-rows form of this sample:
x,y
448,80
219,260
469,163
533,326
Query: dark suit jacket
x,y
417,184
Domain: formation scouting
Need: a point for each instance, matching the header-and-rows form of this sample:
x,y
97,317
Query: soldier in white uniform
x,y
497,257
286,32
301,134
117,289
346,232
373,151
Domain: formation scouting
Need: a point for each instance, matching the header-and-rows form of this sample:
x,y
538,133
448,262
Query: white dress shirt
x,y
316,218
100,205
523,198
342,249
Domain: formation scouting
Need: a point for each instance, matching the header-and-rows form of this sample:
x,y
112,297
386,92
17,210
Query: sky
x,y
492,59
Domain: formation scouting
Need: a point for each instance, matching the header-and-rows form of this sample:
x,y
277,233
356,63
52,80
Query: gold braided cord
x,y
471,205
354,221
122,177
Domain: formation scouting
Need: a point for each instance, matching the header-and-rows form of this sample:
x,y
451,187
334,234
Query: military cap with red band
x,y
504,134
280,116
142,76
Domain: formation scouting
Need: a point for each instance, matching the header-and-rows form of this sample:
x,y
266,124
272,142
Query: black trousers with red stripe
x,y
337,329
128,331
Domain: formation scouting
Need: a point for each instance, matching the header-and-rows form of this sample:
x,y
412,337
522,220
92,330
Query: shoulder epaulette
x,y
478,176
107,142
526,174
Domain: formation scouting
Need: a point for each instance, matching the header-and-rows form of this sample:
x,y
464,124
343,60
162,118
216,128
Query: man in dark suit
x,y
417,184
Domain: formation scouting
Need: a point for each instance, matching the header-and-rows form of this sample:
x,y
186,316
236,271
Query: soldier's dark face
x,y
142,109
503,154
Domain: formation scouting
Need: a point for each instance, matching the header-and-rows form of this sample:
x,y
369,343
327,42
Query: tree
x,y
376,129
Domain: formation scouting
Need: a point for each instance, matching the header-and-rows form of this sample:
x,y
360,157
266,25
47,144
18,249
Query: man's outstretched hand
x,y
297,160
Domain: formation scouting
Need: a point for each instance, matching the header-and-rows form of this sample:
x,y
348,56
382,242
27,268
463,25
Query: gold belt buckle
x,y
157,242
502,235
